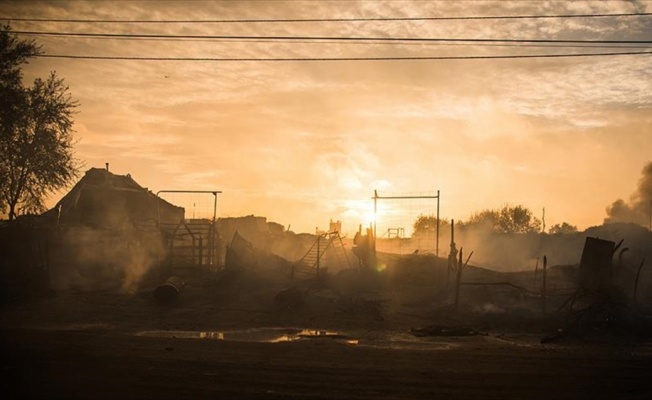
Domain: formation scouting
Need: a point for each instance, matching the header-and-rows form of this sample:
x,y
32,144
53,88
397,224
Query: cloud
x,y
309,141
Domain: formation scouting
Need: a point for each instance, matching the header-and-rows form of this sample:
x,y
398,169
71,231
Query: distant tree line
x,y
507,219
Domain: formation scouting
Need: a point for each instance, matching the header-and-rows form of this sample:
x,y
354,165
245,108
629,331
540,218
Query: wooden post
x,y
201,250
460,268
318,255
544,287
452,255
171,249
536,268
192,248
638,275
458,281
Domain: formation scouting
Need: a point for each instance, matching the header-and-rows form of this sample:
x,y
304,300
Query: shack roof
x,y
104,199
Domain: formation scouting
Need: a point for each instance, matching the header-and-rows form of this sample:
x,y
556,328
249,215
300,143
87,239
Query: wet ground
x,y
388,340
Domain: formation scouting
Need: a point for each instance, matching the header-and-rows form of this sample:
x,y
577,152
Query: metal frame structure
x,y
312,259
212,231
398,233
376,198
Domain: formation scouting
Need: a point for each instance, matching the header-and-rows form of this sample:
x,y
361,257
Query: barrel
x,y
168,292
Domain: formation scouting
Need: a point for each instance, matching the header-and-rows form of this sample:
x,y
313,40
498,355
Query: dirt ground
x,y
351,338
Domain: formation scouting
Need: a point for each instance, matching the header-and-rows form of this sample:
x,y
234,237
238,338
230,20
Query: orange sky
x,y
305,142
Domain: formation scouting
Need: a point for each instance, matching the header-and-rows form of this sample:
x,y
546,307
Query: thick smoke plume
x,y
637,210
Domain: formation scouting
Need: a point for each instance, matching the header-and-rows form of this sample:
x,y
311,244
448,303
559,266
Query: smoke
x,y
489,308
509,252
85,258
144,253
637,210
504,252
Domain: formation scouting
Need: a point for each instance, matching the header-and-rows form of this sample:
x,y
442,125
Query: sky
x,y
305,142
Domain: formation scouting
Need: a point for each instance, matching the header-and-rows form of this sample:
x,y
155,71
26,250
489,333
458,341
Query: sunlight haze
x,y
303,142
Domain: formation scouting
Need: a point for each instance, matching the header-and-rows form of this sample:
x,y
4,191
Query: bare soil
x,y
215,342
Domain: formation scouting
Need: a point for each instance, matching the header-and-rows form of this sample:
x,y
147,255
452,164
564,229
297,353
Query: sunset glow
x,y
304,142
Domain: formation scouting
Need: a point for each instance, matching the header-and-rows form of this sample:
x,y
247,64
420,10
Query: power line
x,y
312,20
523,45
316,59
324,38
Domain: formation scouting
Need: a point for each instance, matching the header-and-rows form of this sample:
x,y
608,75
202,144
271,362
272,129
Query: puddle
x,y
281,335
260,335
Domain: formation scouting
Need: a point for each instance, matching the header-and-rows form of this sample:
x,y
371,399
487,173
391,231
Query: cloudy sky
x,y
303,141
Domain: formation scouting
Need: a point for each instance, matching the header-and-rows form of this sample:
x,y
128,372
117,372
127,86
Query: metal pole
x,y
375,216
213,233
211,245
437,247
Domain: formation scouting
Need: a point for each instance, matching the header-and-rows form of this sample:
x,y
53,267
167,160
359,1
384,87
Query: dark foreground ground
x,y
229,342
57,364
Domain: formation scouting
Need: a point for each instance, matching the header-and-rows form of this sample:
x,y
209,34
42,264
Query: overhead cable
x,y
324,38
302,59
523,45
312,20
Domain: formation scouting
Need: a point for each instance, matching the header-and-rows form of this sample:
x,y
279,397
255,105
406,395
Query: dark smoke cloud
x,y
637,210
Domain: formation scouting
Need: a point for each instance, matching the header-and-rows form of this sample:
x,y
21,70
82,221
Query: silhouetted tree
x,y
563,229
35,131
508,219
518,219
485,219
428,223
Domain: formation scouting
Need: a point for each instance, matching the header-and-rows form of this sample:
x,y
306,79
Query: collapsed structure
x,y
108,230
104,231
